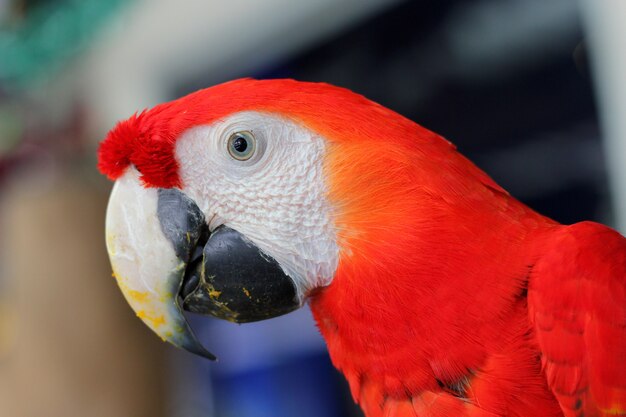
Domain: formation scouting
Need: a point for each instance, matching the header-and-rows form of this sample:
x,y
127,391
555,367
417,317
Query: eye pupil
x,y
240,144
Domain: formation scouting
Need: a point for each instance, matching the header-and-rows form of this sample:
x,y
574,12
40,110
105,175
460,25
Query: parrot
x,y
436,291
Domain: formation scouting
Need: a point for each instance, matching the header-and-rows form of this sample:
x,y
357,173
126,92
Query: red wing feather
x,y
577,303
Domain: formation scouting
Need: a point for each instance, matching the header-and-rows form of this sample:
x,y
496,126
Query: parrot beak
x,y
165,259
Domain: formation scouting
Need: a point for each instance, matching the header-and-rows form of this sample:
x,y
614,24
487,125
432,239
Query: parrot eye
x,y
241,145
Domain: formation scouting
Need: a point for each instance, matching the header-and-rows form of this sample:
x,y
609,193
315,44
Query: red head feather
x,y
147,139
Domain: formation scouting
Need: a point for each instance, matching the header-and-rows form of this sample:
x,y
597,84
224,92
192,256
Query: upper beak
x,y
164,257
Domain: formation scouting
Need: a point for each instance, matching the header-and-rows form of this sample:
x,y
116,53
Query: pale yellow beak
x,y
145,263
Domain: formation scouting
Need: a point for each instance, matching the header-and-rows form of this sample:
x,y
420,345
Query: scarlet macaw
x,y
437,292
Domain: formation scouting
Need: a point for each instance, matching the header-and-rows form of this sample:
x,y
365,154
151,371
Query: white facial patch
x,y
277,198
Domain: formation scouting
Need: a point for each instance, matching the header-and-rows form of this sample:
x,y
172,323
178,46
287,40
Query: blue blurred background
x,y
533,91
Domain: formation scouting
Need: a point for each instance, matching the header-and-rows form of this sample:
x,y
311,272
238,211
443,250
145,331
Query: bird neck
x,y
424,305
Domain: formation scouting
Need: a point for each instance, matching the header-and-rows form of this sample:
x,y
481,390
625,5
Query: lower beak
x,y
164,258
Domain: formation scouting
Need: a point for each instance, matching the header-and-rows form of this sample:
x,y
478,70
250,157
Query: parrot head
x,y
241,200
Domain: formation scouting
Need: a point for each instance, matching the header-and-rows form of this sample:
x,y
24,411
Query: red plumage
x,y
577,303
451,297
147,139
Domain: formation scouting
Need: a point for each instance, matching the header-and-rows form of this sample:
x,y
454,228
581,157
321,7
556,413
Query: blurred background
x,y
533,91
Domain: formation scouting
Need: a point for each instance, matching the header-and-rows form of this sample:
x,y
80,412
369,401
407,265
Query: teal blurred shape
x,y
38,43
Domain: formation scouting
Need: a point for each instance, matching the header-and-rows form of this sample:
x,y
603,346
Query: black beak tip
x,y
198,349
